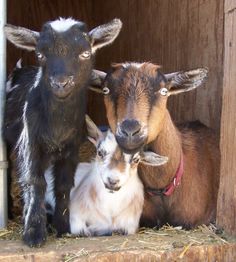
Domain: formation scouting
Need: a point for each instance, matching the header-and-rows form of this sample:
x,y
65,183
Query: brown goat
x,y
184,191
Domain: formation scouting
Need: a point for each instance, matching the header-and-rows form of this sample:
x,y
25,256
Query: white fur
x,y
19,63
9,86
137,65
94,209
23,146
117,211
37,78
24,160
63,24
49,194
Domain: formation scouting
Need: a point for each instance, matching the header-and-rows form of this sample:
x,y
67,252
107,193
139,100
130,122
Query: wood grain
x,y
178,34
226,210
33,14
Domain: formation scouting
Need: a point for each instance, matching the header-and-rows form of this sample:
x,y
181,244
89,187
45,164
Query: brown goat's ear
x,y
21,37
180,82
153,159
94,134
105,34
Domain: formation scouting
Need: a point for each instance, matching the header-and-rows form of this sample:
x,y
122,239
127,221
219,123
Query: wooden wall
x,y
178,34
226,211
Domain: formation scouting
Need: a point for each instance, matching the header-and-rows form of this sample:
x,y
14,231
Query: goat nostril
x,y
130,128
136,131
124,132
112,182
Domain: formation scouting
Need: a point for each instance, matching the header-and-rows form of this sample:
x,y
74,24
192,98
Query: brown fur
x,y
117,160
193,202
93,194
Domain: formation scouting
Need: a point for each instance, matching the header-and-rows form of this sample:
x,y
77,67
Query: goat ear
x,y
180,82
105,34
96,81
21,37
94,134
153,159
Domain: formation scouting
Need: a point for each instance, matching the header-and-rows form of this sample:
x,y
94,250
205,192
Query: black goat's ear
x,y
105,34
94,133
185,81
21,37
153,159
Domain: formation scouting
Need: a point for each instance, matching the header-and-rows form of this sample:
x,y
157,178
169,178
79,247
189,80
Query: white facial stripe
x,y
63,24
137,65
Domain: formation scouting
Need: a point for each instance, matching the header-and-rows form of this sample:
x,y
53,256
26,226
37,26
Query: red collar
x,y
167,191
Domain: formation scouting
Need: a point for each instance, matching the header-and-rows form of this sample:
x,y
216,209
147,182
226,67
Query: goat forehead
x,y
117,161
71,40
109,144
114,152
135,83
64,24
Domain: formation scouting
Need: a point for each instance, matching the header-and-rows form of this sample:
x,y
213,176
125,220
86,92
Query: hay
x,y
166,238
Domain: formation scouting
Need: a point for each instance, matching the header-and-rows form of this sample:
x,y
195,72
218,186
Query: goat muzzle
x,y
130,136
62,86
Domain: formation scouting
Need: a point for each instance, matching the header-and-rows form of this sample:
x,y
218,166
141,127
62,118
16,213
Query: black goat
x,y
45,113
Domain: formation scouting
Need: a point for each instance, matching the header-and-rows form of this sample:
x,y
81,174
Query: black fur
x,y
45,113
56,128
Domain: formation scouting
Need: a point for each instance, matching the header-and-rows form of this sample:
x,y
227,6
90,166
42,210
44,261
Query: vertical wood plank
x,y
33,14
226,209
178,34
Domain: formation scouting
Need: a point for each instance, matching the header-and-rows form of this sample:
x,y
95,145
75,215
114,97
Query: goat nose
x,y
112,181
61,82
130,128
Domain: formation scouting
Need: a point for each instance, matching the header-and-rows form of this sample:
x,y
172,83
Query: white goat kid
x,y
108,194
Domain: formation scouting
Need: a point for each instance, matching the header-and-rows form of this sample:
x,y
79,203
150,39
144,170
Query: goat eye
x,y
105,90
40,56
85,55
101,153
135,160
163,91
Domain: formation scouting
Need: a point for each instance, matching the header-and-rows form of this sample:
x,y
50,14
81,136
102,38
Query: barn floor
x,y
166,244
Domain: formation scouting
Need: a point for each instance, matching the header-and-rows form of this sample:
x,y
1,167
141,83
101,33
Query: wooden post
x,y
226,208
3,163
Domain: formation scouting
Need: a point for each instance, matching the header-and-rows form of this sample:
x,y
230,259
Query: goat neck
x,y
168,143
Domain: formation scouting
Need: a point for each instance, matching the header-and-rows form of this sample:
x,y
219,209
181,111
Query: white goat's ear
x,y
105,34
94,134
153,159
21,37
185,81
